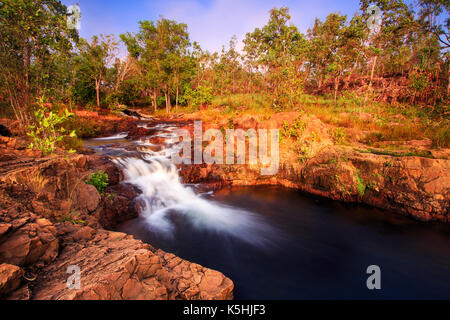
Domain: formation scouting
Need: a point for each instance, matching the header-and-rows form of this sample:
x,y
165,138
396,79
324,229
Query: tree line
x,y
404,59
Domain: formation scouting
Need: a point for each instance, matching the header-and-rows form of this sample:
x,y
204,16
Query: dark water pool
x,y
321,249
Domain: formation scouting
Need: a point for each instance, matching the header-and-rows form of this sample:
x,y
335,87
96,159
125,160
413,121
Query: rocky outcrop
x,y
57,185
51,219
26,239
119,205
10,278
414,186
115,266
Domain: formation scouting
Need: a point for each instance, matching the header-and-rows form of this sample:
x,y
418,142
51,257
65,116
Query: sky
x,y
211,23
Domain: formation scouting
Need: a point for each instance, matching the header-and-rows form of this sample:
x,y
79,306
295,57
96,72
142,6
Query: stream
x,y
278,243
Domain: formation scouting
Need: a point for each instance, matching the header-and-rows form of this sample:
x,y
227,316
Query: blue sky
x,y
212,23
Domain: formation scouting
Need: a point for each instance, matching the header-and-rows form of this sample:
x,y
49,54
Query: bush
x,y
100,180
47,130
200,96
338,135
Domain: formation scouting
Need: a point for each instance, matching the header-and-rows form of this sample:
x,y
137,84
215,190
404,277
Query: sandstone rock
x,y
29,242
118,205
4,228
87,198
84,234
23,293
10,278
116,266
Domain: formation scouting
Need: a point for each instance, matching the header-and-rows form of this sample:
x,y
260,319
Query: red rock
x,y
10,278
87,198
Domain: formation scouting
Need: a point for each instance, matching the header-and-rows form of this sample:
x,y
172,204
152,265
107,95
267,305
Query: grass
x,y
361,187
381,121
416,153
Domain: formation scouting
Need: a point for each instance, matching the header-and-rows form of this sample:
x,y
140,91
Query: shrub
x,y
47,130
338,135
200,96
361,186
100,180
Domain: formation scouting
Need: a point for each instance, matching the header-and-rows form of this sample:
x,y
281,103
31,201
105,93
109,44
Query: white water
x,y
165,197
118,136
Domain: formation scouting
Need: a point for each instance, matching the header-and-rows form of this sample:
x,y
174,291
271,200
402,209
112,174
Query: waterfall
x,y
165,196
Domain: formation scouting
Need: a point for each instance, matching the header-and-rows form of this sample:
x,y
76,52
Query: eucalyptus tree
x,y
34,38
273,49
95,58
162,50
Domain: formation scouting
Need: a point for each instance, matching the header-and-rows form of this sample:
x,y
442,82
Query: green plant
x,y
294,131
338,135
361,185
200,96
304,152
100,180
47,130
73,217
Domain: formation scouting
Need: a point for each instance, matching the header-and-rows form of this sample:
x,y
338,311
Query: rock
x,y
118,205
84,234
116,266
23,293
4,228
10,278
87,198
29,242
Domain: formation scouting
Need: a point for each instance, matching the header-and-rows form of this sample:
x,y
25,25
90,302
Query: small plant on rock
x,y
47,130
338,135
100,180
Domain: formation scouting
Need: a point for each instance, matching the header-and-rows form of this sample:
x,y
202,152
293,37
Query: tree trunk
x,y
168,106
97,89
369,89
154,102
336,87
176,102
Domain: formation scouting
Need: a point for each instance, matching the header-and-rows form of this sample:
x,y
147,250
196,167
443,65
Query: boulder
x,y
115,266
10,278
119,205
87,198
29,240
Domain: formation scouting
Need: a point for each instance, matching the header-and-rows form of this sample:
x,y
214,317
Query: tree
x,y
274,49
95,57
161,50
326,52
34,36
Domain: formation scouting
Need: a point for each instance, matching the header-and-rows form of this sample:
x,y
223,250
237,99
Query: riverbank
x,y
410,177
52,219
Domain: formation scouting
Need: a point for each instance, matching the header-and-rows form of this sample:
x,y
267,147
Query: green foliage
x,y
293,131
338,135
73,217
304,152
100,180
36,45
418,81
361,187
47,130
85,127
200,96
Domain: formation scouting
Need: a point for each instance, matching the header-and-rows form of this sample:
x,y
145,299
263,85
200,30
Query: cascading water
x,y
165,197
276,243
